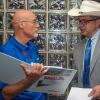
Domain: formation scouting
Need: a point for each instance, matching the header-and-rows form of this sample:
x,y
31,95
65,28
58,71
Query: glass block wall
x,y
57,34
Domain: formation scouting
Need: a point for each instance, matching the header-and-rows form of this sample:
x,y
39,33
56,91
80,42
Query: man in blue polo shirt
x,y
25,27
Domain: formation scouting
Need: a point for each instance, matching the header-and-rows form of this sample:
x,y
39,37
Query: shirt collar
x,y
19,45
96,35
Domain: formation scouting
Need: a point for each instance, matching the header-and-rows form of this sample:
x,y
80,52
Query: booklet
x,y
79,94
56,80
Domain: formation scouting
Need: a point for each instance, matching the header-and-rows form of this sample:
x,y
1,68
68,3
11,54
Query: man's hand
x,y
35,71
95,93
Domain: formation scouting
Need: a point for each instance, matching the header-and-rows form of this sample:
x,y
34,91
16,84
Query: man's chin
x,y
84,33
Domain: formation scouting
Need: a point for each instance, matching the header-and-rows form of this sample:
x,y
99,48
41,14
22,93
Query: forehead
x,y
24,15
30,16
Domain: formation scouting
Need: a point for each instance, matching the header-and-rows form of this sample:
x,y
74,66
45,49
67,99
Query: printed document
x,y
55,80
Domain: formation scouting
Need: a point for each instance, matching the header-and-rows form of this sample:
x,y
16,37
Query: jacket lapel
x,y
82,55
95,54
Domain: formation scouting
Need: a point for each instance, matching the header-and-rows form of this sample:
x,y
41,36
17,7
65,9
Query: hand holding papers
x,y
79,94
95,93
56,80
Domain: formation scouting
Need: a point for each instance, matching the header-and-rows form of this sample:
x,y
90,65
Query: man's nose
x,y
81,25
37,25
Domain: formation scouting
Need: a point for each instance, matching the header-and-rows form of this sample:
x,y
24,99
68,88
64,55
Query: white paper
x,y
79,94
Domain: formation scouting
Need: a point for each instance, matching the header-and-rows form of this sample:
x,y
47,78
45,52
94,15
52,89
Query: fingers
x,y
45,70
96,95
34,69
91,93
39,68
26,68
95,92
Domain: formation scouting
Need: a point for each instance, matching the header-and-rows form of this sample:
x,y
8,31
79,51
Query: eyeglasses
x,y
33,21
84,22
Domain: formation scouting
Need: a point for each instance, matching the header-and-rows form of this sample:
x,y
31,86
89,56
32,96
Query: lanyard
x,y
25,54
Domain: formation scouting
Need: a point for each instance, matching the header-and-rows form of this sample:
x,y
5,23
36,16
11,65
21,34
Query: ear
x,y
21,25
98,23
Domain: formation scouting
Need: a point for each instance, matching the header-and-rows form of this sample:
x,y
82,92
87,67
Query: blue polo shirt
x,y
28,54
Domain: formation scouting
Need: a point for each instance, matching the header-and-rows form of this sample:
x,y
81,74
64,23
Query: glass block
x,y
1,4
73,4
9,20
57,22
74,25
41,41
1,39
56,59
1,21
37,4
57,41
73,39
71,60
42,21
8,35
43,58
57,4
15,4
